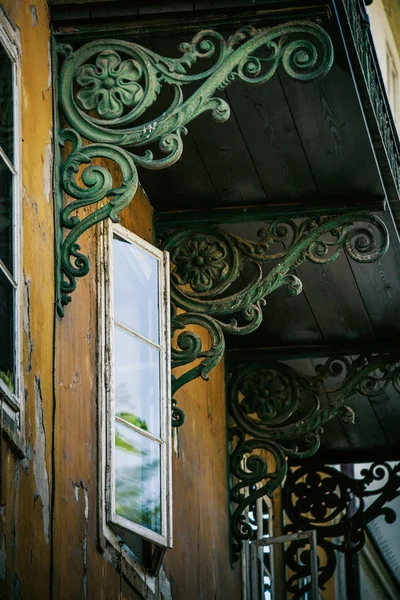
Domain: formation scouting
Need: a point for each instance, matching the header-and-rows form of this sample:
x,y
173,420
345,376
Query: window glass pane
x,y
136,289
6,196
137,381
6,104
7,332
137,478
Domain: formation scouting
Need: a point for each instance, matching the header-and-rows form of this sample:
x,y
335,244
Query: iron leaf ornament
x,y
106,86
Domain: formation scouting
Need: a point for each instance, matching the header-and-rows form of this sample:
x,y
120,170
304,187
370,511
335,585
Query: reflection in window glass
x,y
137,381
137,478
136,289
6,103
139,412
6,202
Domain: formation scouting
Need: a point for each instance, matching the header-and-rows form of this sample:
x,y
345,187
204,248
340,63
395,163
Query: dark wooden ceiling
x,y
284,142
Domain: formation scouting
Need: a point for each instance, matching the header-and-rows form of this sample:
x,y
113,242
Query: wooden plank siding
x,y
25,513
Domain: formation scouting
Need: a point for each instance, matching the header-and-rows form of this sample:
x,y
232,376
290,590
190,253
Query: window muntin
x,y
9,224
139,397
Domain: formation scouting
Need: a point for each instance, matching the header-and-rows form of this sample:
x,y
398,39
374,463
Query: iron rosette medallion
x,y
339,508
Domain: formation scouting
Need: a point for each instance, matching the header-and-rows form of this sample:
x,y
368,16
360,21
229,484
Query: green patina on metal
x,y
339,508
106,86
279,410
208,261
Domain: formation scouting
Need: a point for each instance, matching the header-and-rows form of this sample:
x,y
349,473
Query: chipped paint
x,y
163,590
85,540
48,170
34,15
26,461
76,487
3,558
3,548
39,461
16,588
26,320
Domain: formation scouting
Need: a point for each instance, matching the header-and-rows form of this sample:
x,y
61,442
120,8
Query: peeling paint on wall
x,y
164,587
16,588
3,548
47,170
26,320
76,487
39,461
34,15
26,461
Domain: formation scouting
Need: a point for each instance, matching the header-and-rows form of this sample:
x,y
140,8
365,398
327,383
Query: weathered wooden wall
x,y
49,538
25,519
198,567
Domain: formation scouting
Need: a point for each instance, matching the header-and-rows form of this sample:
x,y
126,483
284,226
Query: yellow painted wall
x,y
26,485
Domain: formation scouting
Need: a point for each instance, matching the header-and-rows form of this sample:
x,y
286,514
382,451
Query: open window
x,y
137,395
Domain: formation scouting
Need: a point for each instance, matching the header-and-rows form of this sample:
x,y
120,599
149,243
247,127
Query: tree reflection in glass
x,y
137,478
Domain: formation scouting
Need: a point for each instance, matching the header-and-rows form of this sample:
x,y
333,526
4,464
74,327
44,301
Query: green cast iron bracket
x,y
279,411
210,264
106,86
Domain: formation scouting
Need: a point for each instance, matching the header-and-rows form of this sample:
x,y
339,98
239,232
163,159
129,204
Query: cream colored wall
x,y
385,26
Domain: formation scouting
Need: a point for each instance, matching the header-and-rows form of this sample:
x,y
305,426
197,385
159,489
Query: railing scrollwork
x,y
339,508
279,412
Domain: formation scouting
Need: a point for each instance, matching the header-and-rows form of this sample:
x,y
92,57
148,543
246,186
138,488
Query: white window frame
x,y
107,407
11,400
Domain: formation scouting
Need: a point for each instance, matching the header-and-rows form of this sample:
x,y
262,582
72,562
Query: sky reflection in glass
x,y
136,289
137,381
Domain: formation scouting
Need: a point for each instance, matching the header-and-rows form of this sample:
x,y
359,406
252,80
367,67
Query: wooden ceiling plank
x,y
271,136
228,161
367,432
335,301
333,131
387,410
379,285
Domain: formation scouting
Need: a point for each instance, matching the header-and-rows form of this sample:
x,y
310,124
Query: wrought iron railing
x,y
359,23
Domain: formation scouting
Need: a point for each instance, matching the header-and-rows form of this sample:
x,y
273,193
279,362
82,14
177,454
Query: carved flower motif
x,y
109,85
268,394
318,496
199,263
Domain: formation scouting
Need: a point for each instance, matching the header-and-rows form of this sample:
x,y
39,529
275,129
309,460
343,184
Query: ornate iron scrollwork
x,y
106,86
338,508
363,41
209,261
279,412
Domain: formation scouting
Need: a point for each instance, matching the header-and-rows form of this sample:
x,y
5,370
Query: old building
x,y
225,175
